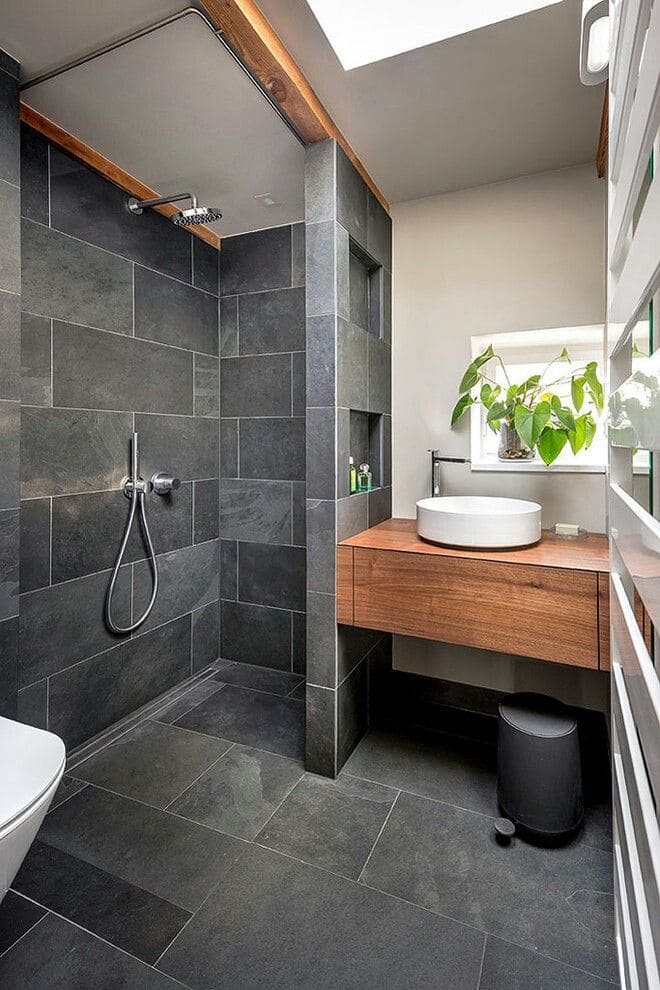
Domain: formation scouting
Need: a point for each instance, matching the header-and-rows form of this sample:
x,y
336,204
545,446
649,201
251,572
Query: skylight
x,y
364,31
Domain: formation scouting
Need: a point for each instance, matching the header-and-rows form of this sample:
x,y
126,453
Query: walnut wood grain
x,y
345,585
591,553
265,55
534,611
604,622
108,169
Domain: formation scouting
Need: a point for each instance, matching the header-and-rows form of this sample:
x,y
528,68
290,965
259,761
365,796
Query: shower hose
x,y
136,490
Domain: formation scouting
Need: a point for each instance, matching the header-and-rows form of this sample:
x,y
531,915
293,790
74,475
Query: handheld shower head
x,y
182,218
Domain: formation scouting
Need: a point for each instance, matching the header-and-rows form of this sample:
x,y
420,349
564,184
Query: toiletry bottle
x,y
364,480
352,477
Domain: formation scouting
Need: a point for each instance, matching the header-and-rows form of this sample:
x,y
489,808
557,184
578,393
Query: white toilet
x,y
31,767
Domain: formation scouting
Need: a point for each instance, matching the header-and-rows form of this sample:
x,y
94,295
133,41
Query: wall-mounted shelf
x,y
548,601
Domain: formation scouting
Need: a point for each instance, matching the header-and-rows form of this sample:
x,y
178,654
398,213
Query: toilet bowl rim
x,y
8,826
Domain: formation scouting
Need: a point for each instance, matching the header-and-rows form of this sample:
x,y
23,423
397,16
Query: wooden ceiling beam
x,y
263,52
108,169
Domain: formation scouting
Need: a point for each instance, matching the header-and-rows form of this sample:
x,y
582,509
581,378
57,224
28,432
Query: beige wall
x,y
516,255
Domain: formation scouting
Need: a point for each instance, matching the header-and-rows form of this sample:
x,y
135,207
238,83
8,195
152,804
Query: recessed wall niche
x,y
366,442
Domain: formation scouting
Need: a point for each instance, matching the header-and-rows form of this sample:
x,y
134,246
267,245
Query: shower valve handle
x,y
164,483
141,487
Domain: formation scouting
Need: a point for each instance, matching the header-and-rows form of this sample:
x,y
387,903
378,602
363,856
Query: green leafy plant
x,y
532,408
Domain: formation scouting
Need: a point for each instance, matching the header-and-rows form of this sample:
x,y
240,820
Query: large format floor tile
x,y
456,771
333,824
56,955
277,923
240,792
555,901
172,858
252,718
154,763
119,912
258,678
508,967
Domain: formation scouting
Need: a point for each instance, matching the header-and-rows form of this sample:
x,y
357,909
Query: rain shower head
x,y
182,218
197,214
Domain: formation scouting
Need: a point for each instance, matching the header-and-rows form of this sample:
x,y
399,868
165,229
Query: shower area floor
x,y
194,851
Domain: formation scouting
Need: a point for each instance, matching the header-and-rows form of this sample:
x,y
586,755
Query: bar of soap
x,y
567,529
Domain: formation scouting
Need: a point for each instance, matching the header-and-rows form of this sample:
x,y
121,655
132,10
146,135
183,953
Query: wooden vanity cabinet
x,y
522,602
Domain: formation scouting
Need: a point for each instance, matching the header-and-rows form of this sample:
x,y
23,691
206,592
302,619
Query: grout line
x,y
141,412
197,778
285,798
50,541
133,295
191,643
48,181
31,928
52,365
382,829
69,796
194,379
481,965
254,354
425,797
96,491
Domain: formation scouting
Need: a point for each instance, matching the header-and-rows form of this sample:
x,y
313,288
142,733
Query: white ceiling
x,y
173,108
493,104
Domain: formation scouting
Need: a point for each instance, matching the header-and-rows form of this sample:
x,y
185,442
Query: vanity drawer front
x,y
544,612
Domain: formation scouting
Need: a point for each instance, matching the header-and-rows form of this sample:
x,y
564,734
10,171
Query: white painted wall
x,y
517,255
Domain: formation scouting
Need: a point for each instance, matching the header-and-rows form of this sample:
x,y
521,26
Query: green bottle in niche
x,y
364,480
352,477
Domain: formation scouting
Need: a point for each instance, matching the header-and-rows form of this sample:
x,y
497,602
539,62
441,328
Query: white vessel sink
x,y
479,521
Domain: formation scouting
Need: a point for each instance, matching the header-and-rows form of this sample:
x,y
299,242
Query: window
x,y
527,353
365,31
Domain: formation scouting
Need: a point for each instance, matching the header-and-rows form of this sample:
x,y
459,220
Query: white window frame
x,y
591,337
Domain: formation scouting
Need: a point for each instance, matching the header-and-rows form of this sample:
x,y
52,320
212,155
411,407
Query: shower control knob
x,y
164,483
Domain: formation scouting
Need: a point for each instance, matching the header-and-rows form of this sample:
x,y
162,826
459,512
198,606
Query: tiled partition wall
x,y
262,448
10,309
119,332
348,301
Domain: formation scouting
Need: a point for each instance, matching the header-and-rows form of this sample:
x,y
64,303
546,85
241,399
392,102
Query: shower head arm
x,y
137,206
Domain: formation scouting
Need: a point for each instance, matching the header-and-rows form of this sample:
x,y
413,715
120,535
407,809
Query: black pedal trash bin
x,y
539,777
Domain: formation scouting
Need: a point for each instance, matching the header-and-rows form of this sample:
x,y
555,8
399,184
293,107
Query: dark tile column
x,y
262,448
10,317
348,303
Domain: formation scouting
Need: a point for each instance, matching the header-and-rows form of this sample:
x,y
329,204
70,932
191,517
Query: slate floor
x,y
195,852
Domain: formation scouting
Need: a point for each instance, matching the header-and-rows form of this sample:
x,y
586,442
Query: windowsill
x,y
537,467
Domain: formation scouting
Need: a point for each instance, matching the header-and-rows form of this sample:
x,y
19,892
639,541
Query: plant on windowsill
x,y
531,416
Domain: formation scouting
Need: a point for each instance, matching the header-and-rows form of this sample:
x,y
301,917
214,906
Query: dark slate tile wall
x,y
262,448
10,330
119,331
348,305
